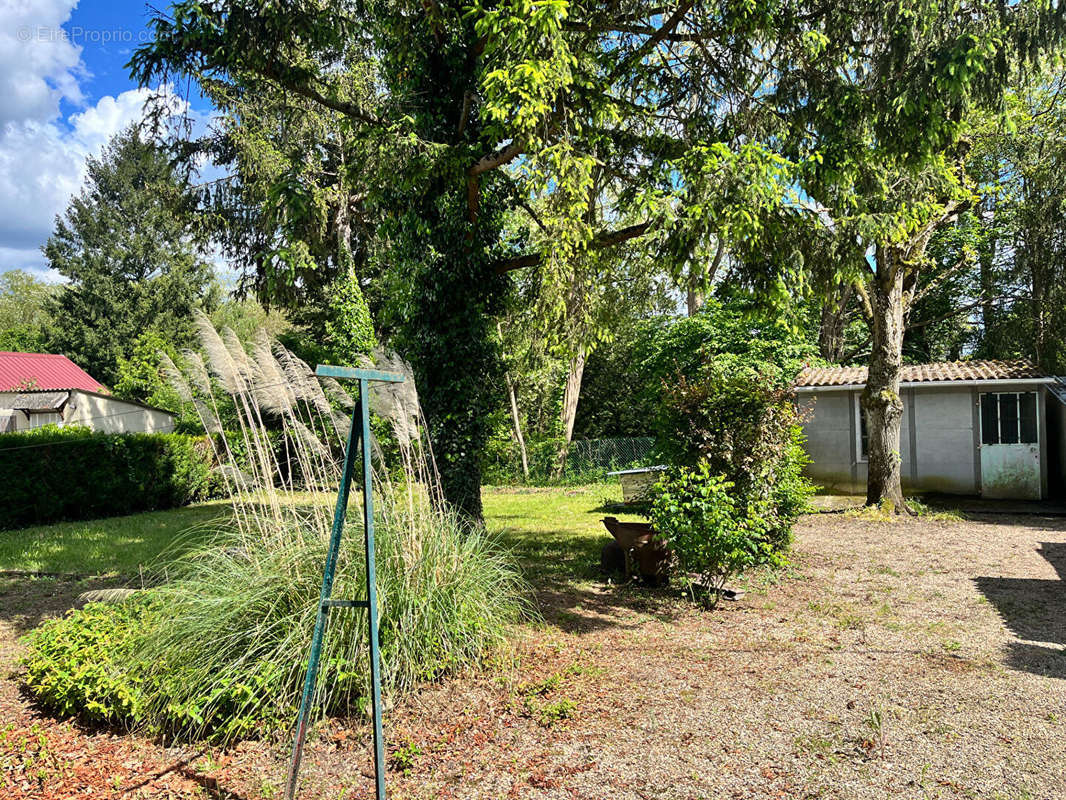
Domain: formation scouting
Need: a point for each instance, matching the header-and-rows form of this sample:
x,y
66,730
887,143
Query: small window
x,y
39,420
1008,418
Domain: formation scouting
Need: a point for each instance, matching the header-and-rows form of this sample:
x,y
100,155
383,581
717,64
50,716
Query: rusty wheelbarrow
x,y
635,549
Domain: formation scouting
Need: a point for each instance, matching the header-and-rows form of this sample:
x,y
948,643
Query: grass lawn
x,y
116,545
552,532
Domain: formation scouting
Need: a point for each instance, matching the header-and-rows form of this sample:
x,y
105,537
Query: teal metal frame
x,y
359,434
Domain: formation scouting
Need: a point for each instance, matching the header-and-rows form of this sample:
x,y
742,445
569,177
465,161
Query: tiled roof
x,y
19,371
926,373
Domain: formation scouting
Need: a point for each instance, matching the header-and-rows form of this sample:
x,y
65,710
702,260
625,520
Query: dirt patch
x,y
912,658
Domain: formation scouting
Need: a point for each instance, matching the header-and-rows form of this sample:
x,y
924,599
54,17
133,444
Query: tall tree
x,y
625,122
1023,266
131,260
288,215
873,113
462,113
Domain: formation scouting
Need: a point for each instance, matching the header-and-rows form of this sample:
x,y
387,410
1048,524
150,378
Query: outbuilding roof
x,y
942,372
22,371
40,401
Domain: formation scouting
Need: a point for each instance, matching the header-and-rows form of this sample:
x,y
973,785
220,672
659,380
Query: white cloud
x,y
42,155
39,65
42,166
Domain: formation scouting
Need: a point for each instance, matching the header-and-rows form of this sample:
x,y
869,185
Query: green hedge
x,y
72,473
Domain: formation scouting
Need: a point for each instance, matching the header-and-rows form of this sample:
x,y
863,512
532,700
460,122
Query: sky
x,y
64,92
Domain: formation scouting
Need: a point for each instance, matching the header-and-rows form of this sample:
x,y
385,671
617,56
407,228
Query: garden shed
x,y
38,389
991,428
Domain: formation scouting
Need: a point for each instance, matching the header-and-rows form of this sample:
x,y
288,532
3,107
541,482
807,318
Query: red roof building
x,y
43,371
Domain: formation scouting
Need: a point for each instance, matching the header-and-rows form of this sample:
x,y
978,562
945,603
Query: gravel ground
x,y
921,658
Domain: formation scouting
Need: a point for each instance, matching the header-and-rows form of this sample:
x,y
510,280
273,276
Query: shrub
x,y
82,664
712,534
72,473
221,649
736,420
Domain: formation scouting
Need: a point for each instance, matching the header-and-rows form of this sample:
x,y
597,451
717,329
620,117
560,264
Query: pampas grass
x,y
219,647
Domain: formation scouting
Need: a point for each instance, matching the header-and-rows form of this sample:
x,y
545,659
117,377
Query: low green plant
x,y
84,664
220,650
403,756
711,533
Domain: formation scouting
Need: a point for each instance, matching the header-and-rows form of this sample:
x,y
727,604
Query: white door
x,y
1010,446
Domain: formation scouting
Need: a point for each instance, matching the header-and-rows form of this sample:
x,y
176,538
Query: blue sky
x,y
64,91
92,24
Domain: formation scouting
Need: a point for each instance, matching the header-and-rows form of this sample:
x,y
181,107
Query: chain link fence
x,y
608,455
587,461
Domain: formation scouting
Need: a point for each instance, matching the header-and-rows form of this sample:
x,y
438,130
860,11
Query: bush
x,y
501,463
738,422
221,649
57,473
81,665
712,534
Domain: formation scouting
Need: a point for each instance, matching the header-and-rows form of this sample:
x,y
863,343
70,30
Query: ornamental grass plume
x,y
218,648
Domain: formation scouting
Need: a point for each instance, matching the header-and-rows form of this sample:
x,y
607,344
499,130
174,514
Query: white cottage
x,y
990,428
38,389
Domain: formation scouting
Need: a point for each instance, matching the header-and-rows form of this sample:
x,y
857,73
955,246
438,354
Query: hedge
x,y
72,473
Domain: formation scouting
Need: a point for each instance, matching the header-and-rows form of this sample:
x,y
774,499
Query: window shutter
x,y
1028,417
989,419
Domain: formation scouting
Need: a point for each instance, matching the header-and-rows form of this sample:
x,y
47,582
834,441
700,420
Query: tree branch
x,y
649,44
497,158
601,240
345,107
864,297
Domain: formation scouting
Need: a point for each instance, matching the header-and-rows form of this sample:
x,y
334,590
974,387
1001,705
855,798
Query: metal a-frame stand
x,y
359,434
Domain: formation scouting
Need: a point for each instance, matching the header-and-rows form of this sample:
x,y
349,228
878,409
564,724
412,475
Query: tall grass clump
x,y
219,647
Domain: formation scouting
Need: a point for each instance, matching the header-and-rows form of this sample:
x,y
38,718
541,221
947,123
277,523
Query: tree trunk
x,y
987,262
569,413
516,422
693,297
448,334
831,327
880,399
1038,310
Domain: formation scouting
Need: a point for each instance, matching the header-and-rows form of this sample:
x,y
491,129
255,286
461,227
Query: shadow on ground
x,y
1034,610
587,609
26,601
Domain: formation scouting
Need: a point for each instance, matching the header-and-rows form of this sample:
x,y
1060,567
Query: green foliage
x,y
712,532
24,317
614,397
132,260
56,473
349,329
1021,278
501,463
725,402
220,650
138,376
23,339
81,664
734,329
246,317
733,419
